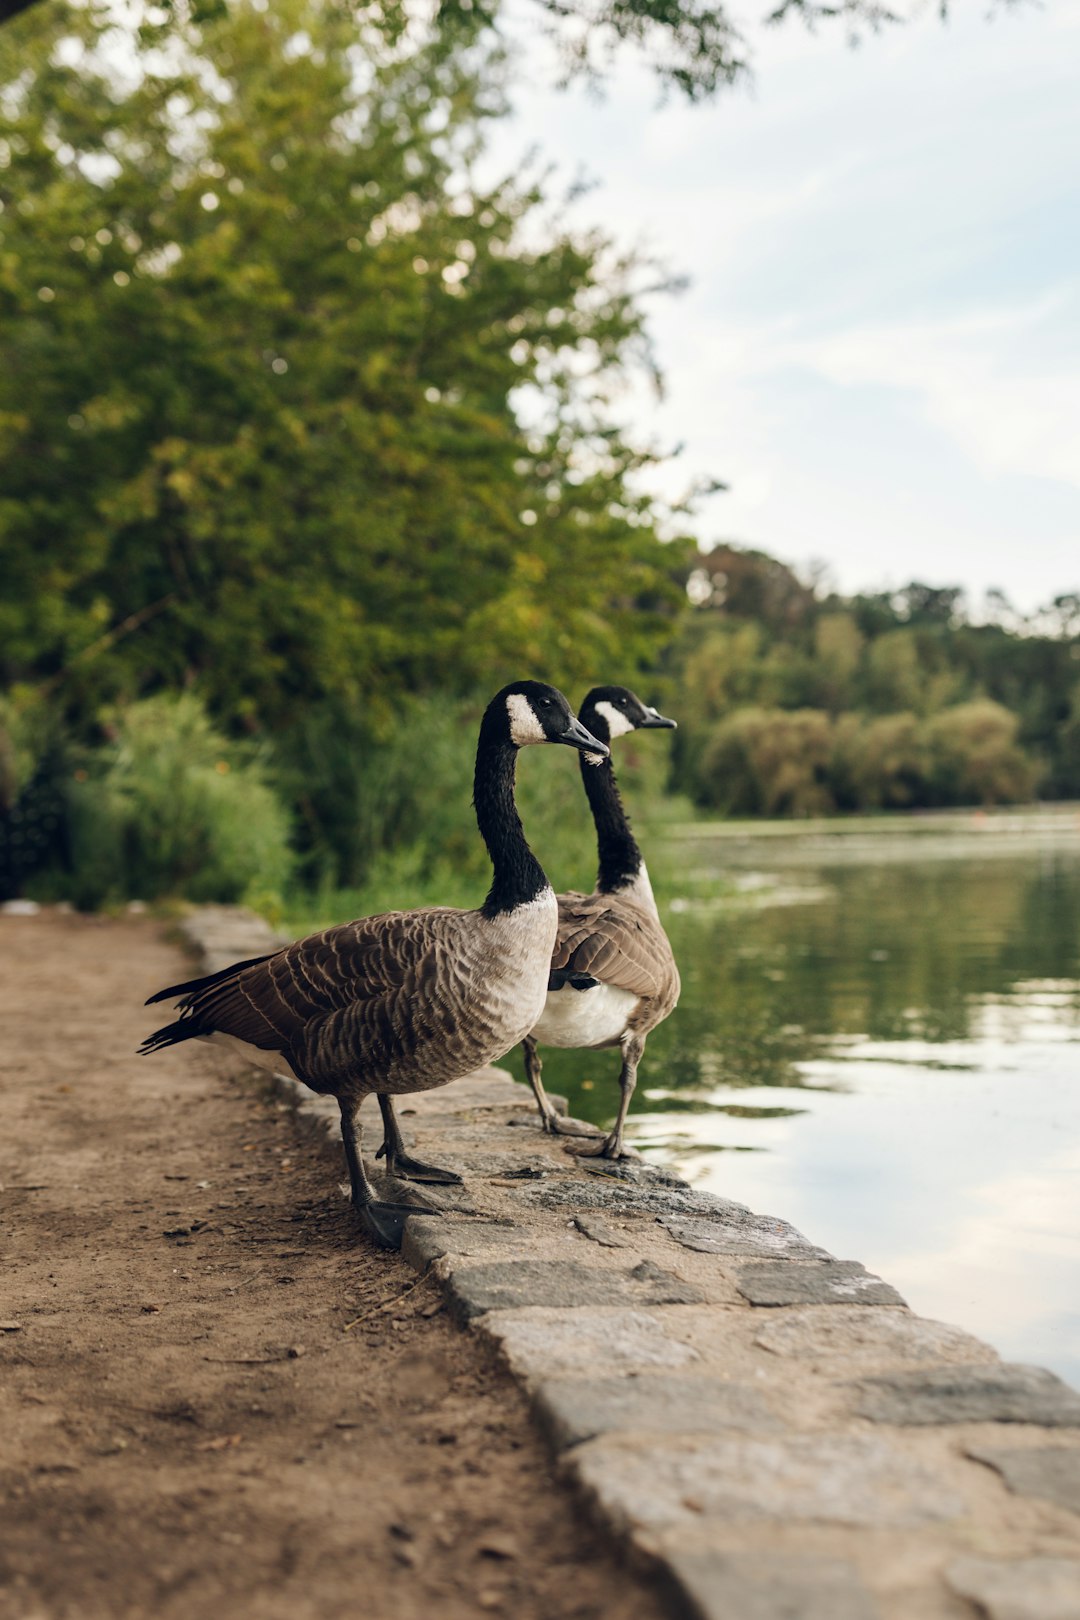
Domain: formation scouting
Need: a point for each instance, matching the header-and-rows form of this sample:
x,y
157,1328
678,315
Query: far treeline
x,y
801,702
309,440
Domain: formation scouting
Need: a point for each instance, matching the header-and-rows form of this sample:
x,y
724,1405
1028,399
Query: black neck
x,y
519,877
616,847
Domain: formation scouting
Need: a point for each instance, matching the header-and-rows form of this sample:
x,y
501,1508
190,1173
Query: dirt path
x,y
215,1400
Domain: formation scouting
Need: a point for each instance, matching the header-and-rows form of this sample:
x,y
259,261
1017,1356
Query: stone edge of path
x,y
768,1427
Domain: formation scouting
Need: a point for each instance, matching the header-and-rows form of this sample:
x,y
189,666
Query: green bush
x,y
770,762
33,773
879,763
169,807
975,758
777,762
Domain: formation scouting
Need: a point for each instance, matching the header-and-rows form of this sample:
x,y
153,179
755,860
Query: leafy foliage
x,y
798,702
769,762
170,807
33,773
693,47
266,352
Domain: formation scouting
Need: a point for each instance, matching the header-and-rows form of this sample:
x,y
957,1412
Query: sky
x,y
879,351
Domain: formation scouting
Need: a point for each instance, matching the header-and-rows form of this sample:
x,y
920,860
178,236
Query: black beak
x,y
576,736
656,722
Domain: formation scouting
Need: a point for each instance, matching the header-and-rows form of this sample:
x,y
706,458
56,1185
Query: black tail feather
x,y
193,986
184,1029
559,978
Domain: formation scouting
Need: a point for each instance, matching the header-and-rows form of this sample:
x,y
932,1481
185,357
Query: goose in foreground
x,y
413,999
613,977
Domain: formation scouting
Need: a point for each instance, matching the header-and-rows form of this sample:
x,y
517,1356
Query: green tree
x,y
929,708
692,46
895,674
293,409
838,648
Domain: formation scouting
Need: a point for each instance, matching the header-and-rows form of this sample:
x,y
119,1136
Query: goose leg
x,y
385,1223
400,1163
550,1121
612,1145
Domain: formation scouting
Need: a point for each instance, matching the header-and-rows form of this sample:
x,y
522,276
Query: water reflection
x,y
916,1026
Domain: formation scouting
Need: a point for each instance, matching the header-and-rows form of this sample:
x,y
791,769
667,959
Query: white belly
x,y
596,1017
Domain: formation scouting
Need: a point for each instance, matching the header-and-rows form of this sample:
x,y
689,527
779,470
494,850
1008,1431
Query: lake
x,y
879,1040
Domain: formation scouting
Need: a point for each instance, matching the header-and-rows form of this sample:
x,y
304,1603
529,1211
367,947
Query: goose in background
x,y
409,1000
613,976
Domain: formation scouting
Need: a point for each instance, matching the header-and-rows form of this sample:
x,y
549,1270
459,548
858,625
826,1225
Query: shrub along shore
x,y
814,706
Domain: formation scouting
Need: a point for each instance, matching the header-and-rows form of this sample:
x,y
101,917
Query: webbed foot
x,y
385,1223
410,1169
416,1170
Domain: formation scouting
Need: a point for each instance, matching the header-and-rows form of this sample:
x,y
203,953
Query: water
x,y
881,1044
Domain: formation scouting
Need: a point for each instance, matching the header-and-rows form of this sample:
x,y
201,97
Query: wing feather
x,y
360,966
613,941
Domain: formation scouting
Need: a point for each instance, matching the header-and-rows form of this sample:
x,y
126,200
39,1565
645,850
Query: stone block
x,y
1022,1589
577,1409
645,1483
716,1586
1007,1393
1049,1472
509,1285
429,1237
737,1230
873,1335
663,1286
531,1120
487,1088
543,1344
644,1197
600,1231
818,1282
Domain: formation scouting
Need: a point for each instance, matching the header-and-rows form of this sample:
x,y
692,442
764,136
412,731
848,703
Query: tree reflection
x,y
889,953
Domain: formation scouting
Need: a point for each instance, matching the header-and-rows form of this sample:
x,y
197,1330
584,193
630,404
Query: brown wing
x,y
359,965
615,942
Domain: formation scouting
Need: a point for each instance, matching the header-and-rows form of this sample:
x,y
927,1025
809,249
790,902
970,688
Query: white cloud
x,y
1005,420
880,349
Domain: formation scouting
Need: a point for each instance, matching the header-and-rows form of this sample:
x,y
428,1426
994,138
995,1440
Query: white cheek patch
x,y
618,724
595,759
525,728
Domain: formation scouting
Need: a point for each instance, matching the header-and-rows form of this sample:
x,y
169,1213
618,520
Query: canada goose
x,y
613,977
412,999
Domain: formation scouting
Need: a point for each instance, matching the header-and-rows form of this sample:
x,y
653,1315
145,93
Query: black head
x,y
612,711
528,712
